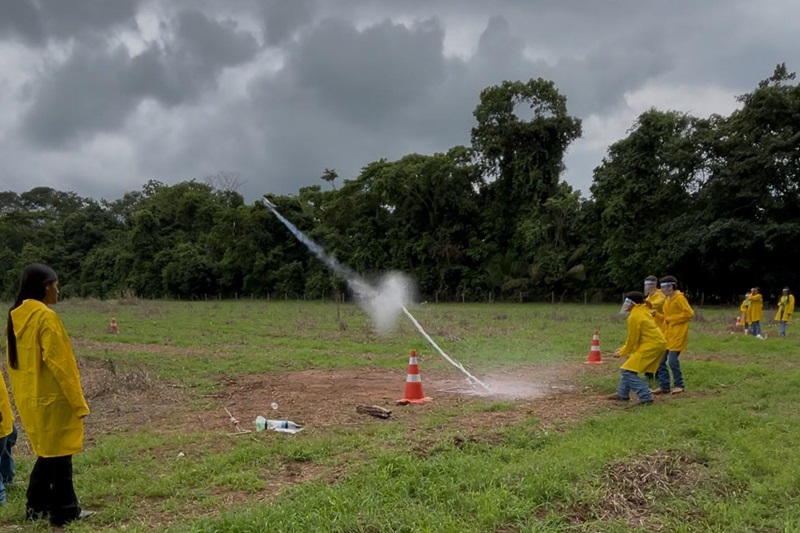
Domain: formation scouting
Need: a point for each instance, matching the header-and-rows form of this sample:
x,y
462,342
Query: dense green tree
x,y
640,188
714,201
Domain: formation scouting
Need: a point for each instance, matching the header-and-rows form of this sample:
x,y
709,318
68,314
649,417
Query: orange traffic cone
x,y
114,328
414,392
594,352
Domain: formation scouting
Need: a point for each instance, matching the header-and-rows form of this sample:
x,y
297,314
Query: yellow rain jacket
x,y
756,310
656,302
7,424
785,308
46,386
745,310
645,343
678,313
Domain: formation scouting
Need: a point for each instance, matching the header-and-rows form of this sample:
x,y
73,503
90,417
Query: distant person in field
x,y
48,395
744,309
654,299
785,309
677,315
644,347
755,311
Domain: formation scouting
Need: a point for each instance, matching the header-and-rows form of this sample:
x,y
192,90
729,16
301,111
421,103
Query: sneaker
x,y
617,398
759,336
83,515
677,390
658,391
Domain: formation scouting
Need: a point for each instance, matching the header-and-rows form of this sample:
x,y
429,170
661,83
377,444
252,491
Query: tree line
x,y
712,200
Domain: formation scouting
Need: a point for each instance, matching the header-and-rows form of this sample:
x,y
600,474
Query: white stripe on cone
x,y
413,378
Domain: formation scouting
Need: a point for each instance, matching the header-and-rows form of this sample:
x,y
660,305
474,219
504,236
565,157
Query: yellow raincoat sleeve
x,y
55,354
632,340
7,423
656,301
680,312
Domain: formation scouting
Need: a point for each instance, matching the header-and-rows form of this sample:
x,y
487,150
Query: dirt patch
x,y
128,399
324,399
98,347
629,488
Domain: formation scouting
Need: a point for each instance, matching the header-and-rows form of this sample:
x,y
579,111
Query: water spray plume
x,y
384,303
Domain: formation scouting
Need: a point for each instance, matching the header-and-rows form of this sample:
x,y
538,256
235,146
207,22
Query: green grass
x,y
737,423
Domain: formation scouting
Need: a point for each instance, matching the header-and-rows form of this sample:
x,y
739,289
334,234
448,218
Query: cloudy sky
x,y
99,96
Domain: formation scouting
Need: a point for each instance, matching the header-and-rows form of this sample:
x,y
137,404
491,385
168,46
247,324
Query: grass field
x,y
556,457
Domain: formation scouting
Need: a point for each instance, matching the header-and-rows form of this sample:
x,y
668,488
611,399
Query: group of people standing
x,y
48,396
752,311
657,333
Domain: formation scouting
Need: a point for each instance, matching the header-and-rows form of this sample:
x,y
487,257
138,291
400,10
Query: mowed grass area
x,y
723,457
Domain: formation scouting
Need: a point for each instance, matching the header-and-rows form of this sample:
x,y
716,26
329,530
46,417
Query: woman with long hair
x,y
47,392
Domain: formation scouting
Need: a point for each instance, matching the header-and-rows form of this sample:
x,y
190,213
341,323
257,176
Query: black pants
x,y
50,490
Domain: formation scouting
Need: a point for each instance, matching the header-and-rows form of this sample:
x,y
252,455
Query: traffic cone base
x,y
413,393
594,357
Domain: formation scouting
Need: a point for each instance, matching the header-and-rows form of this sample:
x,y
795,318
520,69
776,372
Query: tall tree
x,y
639,190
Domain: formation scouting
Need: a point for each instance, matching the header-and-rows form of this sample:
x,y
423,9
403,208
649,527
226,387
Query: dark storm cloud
x,y
21,20
282,18
36,21
95,89
340,84
347,97
371,75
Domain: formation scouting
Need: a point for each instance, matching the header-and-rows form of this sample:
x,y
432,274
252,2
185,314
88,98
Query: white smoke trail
x,y
383,303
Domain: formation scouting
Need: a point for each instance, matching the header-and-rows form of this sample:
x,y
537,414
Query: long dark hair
x,y
33,286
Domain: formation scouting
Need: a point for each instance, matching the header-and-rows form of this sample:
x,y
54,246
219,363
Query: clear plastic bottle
x,y
282,424
276,425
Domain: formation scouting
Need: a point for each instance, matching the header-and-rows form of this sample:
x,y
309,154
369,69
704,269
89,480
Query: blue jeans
x,y
782,327
755,328
7,470
671,359
632,382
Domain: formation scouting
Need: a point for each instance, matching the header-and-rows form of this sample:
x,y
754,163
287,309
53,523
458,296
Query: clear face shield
x,y
627,305
667,288
649,287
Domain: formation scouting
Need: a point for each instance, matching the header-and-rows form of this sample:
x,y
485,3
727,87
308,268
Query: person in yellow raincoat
x,y
7,440
654,299
677,315
744,309
48,395
644,347
755,311
785,309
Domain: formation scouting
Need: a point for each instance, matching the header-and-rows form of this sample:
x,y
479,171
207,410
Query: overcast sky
x,y
100,96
